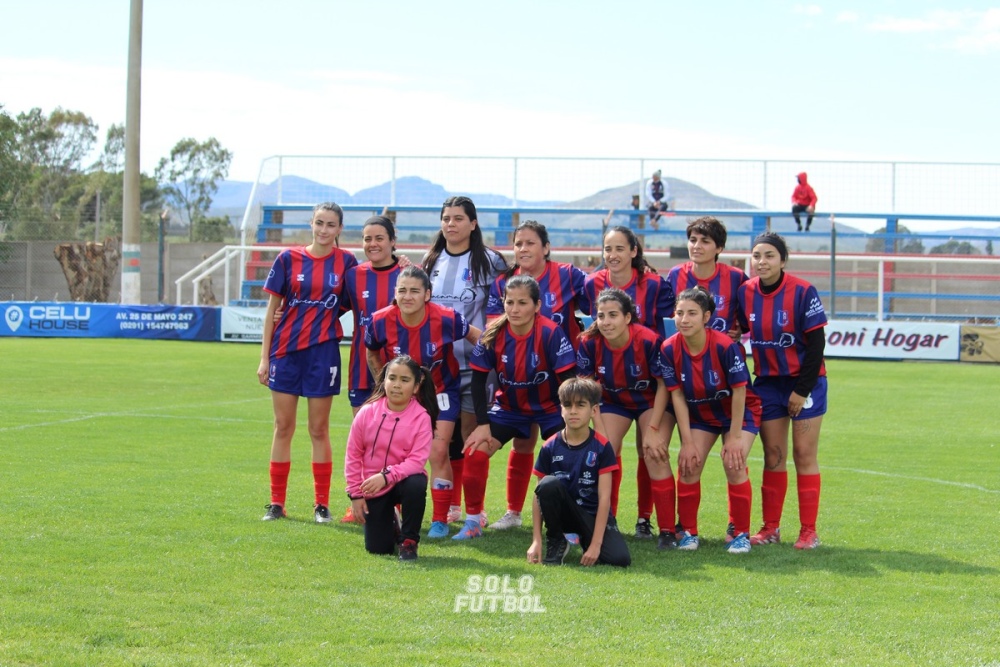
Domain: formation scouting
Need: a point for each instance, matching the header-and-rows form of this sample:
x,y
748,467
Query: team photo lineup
x,y
455,357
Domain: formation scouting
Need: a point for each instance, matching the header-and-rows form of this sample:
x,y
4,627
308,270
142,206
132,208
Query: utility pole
x,y
131,285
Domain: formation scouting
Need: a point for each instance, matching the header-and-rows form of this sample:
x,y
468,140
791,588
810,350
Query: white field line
x,y
912,478
131,413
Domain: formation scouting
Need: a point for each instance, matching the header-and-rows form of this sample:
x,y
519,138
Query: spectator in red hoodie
x,y
803,199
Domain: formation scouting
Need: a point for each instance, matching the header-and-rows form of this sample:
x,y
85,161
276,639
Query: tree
x,y
953,247
876,244
14,173
51,148
191,175
113,157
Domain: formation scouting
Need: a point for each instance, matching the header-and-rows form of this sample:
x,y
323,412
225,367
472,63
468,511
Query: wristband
x,y
654,428
385,479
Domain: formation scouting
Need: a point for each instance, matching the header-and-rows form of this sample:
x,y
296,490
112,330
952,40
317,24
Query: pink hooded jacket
x,y
804,195
398,443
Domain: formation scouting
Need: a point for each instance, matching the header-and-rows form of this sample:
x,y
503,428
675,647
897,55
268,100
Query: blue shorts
x,y
748,425
357,397
774,393
621,411
449,405
505,426
312,373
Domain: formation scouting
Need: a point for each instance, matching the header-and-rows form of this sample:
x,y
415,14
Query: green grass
x,y
135,473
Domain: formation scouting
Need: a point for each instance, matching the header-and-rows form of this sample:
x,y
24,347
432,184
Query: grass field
x,y
135,474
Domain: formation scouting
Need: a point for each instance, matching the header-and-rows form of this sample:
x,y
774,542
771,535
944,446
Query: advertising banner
x,y
246,325
103,320
892,340
980,344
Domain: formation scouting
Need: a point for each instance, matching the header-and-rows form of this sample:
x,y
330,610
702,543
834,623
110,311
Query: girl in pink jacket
x,y
387,450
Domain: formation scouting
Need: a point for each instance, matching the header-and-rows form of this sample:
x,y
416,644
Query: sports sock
x,y
440,499
321,482
664,497
808,486
457,467
279,481
740,499
688,502
477,471
616,484
773,486
519,467
642,483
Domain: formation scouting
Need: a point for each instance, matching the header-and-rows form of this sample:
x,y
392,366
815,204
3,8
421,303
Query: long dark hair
x,y
426,395
639,262
479,258
516,282
543,237
621,298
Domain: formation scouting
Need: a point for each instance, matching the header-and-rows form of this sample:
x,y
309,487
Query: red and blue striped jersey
x,y
312,288
527,366
652,295
429,343
707,378
561,287
626,375
368,289
722,286
778,322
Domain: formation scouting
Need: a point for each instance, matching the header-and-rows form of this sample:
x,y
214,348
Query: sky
x,y
874,80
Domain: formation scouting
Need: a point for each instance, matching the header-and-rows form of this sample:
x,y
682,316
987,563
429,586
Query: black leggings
x,y
797,210
562,515
380,523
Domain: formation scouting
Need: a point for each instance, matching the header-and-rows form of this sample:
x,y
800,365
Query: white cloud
x,y
848,17
807,10
974,32
934,21
984,35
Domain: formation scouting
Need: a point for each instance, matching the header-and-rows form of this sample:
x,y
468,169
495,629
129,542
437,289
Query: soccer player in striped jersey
x,y
624,357
785,319
427,332
706,374
462,268
627,269
531,356
370,286
706,240
300,354
561,288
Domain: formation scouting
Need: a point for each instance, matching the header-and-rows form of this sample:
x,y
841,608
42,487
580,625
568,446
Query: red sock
x,y
440,501
773,487
808,499
645,502
477,472
664,496
457,466
688,502
321,482
519,467
740,499
279,481
616,484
